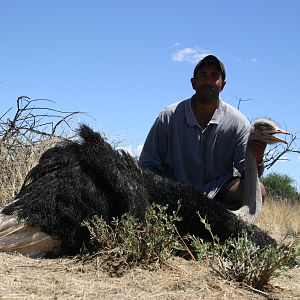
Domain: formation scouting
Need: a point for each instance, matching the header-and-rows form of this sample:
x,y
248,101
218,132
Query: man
x,y
201,139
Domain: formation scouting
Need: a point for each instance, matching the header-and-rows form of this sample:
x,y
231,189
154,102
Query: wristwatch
x,y
260,164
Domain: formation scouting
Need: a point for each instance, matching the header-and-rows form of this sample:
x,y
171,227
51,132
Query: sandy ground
x,y
25,278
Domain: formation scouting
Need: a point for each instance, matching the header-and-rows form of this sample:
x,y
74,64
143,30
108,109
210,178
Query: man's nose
x,y
208,79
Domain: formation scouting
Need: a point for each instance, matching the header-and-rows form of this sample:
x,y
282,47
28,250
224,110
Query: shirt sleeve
x,y
154,151
241,145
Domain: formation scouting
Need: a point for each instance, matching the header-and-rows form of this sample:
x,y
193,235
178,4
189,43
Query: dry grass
x,y
24,278
280,218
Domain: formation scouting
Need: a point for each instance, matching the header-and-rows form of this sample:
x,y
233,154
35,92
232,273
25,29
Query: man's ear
x,y
224,83
193,83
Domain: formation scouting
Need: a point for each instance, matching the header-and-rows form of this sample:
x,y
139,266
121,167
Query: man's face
x,y
208,82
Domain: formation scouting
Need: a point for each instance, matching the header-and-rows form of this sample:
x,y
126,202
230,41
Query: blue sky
x,y
124,61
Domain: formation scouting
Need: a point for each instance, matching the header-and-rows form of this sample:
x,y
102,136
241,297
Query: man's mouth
x,y
207,87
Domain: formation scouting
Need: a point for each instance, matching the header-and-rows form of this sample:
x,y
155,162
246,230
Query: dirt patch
x,y
25,278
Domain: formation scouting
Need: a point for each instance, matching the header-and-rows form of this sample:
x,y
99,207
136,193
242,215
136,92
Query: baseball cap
x,y
211,59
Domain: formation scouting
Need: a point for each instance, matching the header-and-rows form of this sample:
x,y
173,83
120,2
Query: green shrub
x,y
241,260
281,186
138,243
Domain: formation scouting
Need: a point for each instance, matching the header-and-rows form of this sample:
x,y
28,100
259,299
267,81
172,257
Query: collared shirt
x,y
180,149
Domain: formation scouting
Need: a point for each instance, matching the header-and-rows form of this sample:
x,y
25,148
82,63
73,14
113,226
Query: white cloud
x,y
191,55
254,59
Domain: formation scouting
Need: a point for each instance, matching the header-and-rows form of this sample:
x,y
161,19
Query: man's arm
x,y
154,150
241,145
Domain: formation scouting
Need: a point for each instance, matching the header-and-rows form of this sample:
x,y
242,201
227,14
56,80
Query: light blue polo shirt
x,y
180,149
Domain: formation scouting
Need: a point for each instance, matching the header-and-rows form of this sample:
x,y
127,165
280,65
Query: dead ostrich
x,y
77,180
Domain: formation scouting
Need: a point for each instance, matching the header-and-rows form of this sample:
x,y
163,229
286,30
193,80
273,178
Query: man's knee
x,y
234,194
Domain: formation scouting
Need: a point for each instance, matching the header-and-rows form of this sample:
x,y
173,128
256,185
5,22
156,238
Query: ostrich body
x,y
78,180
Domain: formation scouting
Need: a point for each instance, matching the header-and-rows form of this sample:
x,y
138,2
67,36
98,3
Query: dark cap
x,y
212,60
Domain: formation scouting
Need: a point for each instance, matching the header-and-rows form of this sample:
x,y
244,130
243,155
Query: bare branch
x,y
241,100
32,123
276,153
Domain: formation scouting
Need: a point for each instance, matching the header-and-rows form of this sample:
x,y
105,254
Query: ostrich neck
x,y
252,192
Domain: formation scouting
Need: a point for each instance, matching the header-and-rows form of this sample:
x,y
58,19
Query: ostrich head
x,y
264,130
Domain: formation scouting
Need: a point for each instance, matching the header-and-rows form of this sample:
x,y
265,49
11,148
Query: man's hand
x,y
258,148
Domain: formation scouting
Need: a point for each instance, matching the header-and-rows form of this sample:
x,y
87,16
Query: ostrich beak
x,y
272,139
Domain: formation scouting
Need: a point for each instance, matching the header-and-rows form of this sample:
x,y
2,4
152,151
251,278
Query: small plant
x,y
201,248
241,260
138,243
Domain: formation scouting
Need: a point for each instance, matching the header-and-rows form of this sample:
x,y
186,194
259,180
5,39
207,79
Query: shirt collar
x,y
189,114
191,118
218,113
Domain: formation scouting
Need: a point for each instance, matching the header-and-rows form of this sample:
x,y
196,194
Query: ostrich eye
x,y
262,126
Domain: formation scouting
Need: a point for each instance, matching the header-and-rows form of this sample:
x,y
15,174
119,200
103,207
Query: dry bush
x,y
14,167
25,133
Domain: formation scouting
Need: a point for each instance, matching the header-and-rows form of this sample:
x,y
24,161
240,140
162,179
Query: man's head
x,y
211,59
209,79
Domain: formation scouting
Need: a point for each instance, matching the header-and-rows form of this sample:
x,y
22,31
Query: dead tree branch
x,y
277,153
33,122
240,100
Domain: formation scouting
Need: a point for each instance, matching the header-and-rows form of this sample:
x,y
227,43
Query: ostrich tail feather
x,y
18,237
